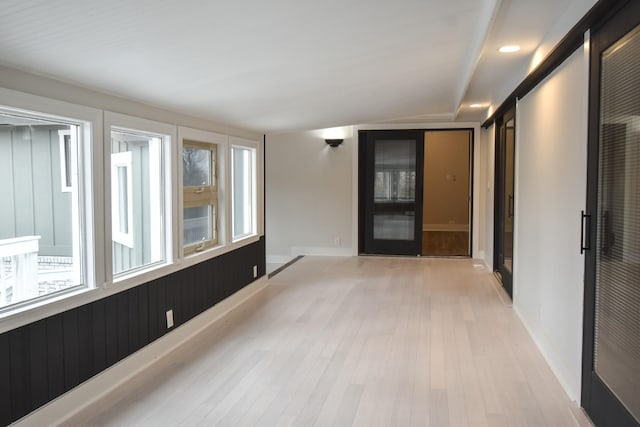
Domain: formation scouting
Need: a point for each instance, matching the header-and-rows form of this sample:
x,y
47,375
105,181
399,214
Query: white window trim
x,y
155,175
122,160
85,216
257,191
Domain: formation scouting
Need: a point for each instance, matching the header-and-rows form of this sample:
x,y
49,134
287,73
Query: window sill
x,y
45,307
144,275
241,241
198,257
20,316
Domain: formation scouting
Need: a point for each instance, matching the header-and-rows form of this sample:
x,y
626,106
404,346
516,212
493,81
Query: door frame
x,y
596,398
359,216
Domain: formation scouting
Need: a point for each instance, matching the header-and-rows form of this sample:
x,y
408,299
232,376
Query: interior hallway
x,y
355,341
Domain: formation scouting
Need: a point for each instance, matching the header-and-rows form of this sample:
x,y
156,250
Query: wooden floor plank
x,y
354,341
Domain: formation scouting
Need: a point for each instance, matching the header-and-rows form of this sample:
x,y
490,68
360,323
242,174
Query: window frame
x,y
201,196
93,182
85,215
257,214
166,133
195,138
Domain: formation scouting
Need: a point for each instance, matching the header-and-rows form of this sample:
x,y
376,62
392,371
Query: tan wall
x,y
446,180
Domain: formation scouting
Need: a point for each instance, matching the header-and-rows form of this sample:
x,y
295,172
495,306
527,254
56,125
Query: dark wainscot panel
x,y
42,360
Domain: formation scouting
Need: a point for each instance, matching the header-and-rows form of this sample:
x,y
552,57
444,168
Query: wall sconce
x,y
333,142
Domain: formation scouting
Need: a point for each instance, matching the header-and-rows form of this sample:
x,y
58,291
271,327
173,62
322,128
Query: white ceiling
x,y
281,65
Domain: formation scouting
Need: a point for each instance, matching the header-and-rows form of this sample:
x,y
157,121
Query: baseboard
x,y
279,259
74,401
478,259
308,250
546,351
319,251
445,227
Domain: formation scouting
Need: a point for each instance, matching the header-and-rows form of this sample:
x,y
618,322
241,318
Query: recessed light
x,y
509,49
475,105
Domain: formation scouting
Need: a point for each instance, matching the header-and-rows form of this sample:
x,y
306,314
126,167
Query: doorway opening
x,y
447,193
415,192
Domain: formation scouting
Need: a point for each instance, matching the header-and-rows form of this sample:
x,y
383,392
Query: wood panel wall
x,y
42,360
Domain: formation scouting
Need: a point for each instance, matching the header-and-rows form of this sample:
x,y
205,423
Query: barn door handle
x,y
585,234
510,207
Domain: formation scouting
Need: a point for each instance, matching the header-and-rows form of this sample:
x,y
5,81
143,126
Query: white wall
x,y
309,195
446,180
312,191
550,187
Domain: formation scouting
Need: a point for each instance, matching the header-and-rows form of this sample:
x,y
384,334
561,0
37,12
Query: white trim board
x,y
279,259
318,251
93,390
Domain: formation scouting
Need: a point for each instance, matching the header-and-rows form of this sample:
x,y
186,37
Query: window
x,y
138,228
41,218
243,182
200,195
394,184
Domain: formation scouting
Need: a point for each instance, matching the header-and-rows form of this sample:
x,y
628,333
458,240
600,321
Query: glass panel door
x,y
505,199
509,162
611,393
392,191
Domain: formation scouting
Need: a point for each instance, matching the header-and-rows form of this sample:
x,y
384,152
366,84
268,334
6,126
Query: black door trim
x,y
499,201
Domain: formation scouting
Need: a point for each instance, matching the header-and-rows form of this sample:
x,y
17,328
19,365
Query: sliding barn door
x,y
611,362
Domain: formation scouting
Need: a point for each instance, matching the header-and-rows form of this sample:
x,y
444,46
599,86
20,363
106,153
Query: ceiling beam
x,y
485,24
599,13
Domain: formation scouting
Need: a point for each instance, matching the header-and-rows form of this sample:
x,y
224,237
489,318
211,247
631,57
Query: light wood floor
x,y
355,341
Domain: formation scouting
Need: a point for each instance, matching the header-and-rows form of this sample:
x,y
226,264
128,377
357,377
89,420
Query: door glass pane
x,y
197,224
510,140
395,188
617,340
